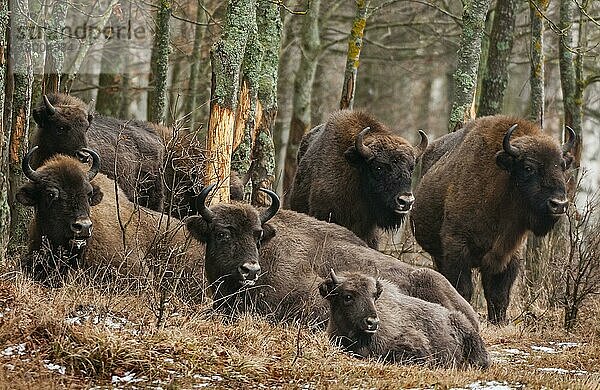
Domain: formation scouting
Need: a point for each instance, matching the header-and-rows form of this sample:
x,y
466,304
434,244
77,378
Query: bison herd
x,y
105,199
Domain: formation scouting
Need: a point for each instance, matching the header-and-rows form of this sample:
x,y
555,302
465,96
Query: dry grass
x,y
42,348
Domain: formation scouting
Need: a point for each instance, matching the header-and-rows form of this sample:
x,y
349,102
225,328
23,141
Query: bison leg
x,y
458,275
496,288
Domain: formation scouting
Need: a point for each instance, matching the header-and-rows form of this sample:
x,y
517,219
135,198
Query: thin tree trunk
x,y
269,34
226,59
355,44
4,132
536,78
110,95
159,65
55,56
192,99
303,88
21,108
495,78
465,76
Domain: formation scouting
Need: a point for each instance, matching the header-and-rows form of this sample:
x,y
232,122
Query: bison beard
x,y
355,172
482,189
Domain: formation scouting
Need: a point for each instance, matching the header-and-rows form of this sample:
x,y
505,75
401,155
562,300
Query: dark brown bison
x,y
274,265
497,179
373,319
355,172
81,221
152,164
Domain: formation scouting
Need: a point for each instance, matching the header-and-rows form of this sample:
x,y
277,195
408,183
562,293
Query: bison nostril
x,y
372,323
557,206
405,201
83,157
82,227
249,271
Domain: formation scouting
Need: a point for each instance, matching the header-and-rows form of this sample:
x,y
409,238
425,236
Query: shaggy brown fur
x,y
373,319
144,244
296,253
475,204
336,182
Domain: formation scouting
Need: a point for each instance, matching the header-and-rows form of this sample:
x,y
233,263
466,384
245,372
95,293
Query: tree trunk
x,y
303,88
355,44
110,82
159,65
495,78
536,78
465,76
55,56
263,154
226,59
21,108
4,132
192,97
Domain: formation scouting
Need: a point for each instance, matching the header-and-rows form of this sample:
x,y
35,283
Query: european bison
x,y
80,222
153,165
499,178
373,319
275,267
355,172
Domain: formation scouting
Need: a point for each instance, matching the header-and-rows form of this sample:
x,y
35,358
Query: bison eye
x,y
222,236
52,195
348,298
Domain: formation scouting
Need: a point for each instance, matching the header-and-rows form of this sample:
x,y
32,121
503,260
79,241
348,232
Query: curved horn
x,y
273,208
201,205
334,277
95,163
423,144
363,149
26,167
49,105
508,148
567,146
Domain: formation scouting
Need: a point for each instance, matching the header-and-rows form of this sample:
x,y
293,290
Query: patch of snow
x,y
9,366
515,351
128,377
554,370
566,344
490,385
17,349
169,360
544,349
55,367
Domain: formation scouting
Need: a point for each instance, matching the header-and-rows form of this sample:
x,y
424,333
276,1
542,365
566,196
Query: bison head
x,y
62,122
232,233
62,195
385,166
352,301
537,168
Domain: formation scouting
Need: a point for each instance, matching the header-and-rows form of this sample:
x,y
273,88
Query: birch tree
x,y
465,76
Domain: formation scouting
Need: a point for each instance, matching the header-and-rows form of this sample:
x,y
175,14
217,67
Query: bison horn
x,y
273,208
361,148
423,144
567,146
95,163
26,167
49,105
334,277
508,148
201,204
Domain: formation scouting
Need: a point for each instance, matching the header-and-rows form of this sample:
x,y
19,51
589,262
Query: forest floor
x,y
80,337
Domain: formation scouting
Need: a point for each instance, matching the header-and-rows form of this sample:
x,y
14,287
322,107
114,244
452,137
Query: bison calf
x,y
355,172
373,319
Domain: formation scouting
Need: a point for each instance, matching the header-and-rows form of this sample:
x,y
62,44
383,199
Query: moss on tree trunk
x,y
159,62
536,77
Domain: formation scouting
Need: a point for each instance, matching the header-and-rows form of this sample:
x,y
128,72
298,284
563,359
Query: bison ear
x,y
504,160
198,227
90,117
37,116
269,232
352,156
27,194
568,157
326,288
97,195
379,288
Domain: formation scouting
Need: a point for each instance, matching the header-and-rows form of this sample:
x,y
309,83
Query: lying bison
x,y
80,222
373,319
500,178
152,164
273,264
355,172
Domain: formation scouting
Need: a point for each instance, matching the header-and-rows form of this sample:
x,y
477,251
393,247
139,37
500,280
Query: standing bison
x,y
355,172
373,319
80,222
499,178
272,264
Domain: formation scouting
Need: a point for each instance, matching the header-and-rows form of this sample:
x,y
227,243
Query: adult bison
x,y
155,166
373,319
81,221
499,178
355,172
274,264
